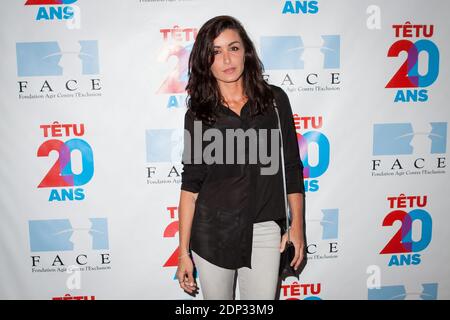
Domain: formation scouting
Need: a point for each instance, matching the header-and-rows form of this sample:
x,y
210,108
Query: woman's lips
x,y
229,70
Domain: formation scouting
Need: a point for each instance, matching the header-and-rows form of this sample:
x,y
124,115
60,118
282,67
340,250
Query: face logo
x,y
291,53
402,138
428,291
164,145
57,58
68,235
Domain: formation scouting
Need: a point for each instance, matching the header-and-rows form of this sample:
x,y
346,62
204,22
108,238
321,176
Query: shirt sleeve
x,y
292,162
194,169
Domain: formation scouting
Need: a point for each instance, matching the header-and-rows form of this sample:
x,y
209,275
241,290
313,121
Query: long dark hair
x,y
203,91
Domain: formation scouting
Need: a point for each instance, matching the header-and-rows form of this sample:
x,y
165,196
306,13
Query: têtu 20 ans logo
x,y
61,174
408,75
54,9
402,246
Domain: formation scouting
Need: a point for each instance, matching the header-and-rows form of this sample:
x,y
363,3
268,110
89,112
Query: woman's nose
x,y
226,58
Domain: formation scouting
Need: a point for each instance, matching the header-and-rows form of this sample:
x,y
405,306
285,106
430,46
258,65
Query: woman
x,y
230,213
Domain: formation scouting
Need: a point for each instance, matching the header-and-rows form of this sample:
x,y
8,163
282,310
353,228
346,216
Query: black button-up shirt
x,y
232,197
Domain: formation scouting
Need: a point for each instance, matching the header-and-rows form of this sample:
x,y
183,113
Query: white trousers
x,y
258,283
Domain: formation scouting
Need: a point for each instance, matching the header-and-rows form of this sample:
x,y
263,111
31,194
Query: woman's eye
x,y
216,52
234,48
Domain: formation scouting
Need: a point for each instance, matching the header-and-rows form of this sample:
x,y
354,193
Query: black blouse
x,y
232,197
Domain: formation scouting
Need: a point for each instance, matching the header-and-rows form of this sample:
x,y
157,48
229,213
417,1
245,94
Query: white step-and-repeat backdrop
x,y
92,107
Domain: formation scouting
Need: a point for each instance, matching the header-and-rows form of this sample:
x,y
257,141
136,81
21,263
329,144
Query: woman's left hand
x,y
296,236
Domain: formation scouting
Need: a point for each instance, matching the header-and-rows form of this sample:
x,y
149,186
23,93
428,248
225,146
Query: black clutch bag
x,y
285,262
286,270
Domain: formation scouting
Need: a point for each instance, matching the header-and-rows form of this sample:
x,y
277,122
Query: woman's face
x,y
228,64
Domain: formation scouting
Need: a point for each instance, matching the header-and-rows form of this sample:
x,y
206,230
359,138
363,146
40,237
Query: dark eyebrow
x,y
230,44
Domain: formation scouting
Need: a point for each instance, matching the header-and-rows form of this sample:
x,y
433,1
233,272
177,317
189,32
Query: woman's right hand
x,y
185,274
